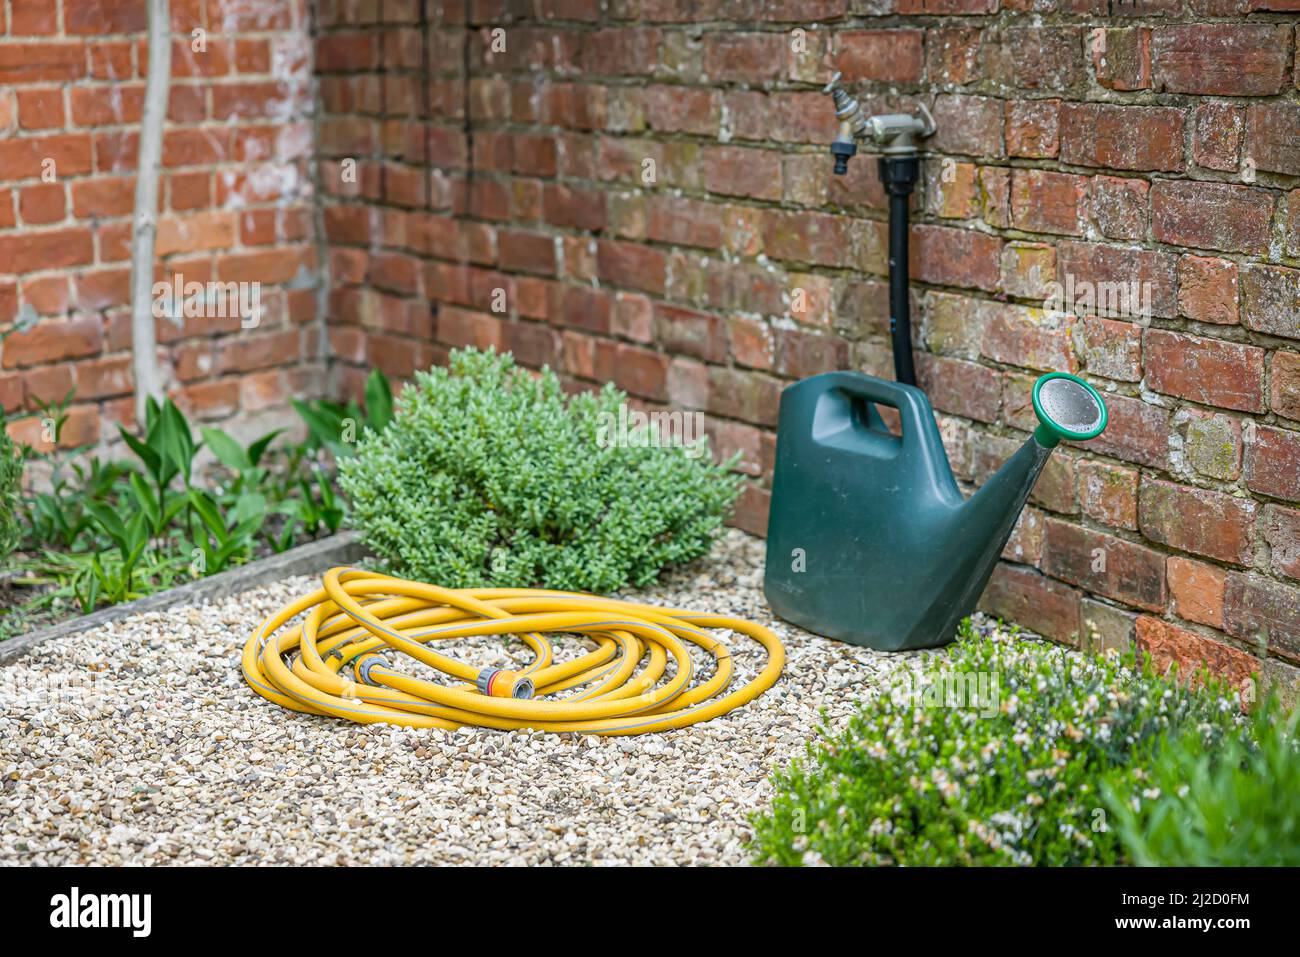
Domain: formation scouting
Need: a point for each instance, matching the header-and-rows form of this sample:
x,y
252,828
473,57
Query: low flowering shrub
x,y
1010,774
489,475
1220,804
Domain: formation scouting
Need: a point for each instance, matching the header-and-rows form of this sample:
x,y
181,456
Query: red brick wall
x,y
645,185
236,205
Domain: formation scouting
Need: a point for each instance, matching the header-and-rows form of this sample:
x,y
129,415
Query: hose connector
x,y
499,683
363,669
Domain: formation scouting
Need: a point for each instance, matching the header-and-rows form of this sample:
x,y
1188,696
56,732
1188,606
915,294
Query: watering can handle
x,y
912,405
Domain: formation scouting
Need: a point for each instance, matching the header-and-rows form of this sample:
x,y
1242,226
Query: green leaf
x,y
228,452
209,513
151,459
259,447
148,503
379,401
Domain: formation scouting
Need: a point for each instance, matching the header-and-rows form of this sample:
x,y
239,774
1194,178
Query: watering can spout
x,y
877,545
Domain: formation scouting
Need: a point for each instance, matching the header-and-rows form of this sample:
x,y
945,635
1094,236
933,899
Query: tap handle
x,y
927,119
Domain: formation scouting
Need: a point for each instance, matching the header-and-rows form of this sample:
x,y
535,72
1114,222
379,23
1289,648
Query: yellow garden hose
x,y
358,617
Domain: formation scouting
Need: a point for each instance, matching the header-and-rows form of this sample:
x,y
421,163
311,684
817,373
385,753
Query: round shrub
x,y
489,475
1218,803
11,476
1012,774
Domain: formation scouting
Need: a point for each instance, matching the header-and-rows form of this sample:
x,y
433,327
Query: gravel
x,y
139,743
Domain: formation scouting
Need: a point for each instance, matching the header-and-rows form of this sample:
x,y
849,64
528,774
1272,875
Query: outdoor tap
x,y
894,133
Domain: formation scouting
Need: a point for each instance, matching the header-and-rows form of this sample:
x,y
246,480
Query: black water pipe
x,y
896,135
899,175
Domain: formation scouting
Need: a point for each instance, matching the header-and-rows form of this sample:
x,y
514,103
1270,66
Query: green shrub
x,y
994,754
1217,804
11,476
490,475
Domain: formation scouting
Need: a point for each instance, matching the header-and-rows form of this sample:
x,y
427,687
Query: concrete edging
x,y
343,548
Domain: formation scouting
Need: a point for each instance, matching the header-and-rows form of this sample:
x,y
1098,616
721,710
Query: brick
x,y
1109,493
800,353
1033,128
1028,598
46,249
1107,628
970,125
750,343
1047,202
1121,58
1029,338
1271,457
1263,613
816,238
751,511
1225,374
1234,59
1136,432
1217,130
103,196
1268,300
526,252
40,62
954,325
43,203
40,109
951,192
51,340
956,257
1283,680
1273,137
953,55
1105,565
748,396
1114,281
885,56
1110,348
104,16
1284,395
31,157
691,332
1040,58
1028,269
1196,590
629,264
1280,527
962,388
1119,207
1122,137
685,222
1211,443
1190,653
745,57
1197,520
1207,289
995,196
1211,215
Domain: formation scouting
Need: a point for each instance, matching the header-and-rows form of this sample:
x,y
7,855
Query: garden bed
x,y
156,751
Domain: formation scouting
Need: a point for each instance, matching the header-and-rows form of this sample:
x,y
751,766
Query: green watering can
x,y
869,540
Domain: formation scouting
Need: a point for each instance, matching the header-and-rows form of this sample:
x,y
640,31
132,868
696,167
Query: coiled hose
x,y
334,661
